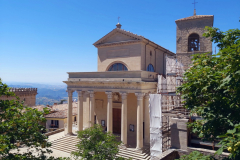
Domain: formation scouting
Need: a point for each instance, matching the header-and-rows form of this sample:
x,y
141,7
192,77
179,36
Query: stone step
x,y
133,156
131,153
68,150
66,141
68,144
124,155
64,145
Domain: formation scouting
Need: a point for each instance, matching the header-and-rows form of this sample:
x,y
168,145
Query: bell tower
x,y
190,38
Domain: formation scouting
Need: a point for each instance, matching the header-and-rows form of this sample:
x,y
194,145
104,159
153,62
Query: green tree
x,y
61,101
21,125
95,144
212,90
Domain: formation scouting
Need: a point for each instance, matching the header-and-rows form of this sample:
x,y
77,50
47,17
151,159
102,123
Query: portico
x,y
98,97
116,96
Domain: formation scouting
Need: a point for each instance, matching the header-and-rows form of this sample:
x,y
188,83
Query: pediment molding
x,y
133,38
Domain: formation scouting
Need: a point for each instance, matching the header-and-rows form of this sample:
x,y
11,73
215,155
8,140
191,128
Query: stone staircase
x,y
68,144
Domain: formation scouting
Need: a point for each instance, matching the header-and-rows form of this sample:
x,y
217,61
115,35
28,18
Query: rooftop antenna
x,y
194,7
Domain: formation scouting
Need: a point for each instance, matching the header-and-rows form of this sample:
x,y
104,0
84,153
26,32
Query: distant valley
x,y
47,94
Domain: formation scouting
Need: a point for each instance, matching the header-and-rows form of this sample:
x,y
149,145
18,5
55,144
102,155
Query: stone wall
x,y
187,27
28,95
179,133
129,55
173,154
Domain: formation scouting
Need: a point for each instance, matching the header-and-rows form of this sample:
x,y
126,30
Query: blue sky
x,y
41,40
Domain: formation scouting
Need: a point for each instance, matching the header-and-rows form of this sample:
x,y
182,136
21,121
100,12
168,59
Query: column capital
x,y
139,95
124,95
146,95
85,94
109,94
70,91
80,93
91,94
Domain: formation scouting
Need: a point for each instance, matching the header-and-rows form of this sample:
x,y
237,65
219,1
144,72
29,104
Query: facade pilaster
x,y
109,112
91,106
146,120
80,110
124,118
69,115
139,145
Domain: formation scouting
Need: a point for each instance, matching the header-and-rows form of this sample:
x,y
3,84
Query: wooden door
x,y
116,120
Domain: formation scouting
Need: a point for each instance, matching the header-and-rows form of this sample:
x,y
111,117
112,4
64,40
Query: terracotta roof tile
x,y
39,108
61,113
58,111
194,17
62,106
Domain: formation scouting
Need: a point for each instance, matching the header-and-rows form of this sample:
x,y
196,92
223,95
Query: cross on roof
x,y
118,19
194,4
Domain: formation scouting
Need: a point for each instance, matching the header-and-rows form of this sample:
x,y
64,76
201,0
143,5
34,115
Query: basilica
x,y
117,95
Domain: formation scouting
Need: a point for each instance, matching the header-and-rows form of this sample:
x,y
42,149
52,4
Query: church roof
x,y
128,33
194,17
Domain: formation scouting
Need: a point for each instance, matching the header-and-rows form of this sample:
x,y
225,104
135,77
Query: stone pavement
x,y
56,153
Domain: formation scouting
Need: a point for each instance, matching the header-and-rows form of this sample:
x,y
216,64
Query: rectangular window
x,y
54,124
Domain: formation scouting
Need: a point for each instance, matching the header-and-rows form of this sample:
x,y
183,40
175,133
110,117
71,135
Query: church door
x,y
116,120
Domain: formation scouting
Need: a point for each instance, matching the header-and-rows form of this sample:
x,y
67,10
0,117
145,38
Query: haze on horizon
x,y
43,40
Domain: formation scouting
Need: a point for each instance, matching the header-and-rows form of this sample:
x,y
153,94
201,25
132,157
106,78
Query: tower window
x,y
193,43
118,67
150,68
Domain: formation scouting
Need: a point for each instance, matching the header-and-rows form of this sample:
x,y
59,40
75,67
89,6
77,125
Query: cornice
x,y
108,86
117,43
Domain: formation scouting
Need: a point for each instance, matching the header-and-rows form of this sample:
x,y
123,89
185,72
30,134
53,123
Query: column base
x,y
123,146
69,134
139,150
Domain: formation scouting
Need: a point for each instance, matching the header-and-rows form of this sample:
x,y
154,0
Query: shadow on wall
x,y
175,142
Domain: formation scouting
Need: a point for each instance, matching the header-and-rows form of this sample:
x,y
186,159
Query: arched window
x,y
150,68
193,42
118,67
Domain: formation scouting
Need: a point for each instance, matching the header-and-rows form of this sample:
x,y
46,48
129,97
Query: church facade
x,y
117,95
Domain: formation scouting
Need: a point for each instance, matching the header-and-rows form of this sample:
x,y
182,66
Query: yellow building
x,y
116,96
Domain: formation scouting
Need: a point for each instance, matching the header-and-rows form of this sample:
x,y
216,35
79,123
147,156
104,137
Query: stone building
x,y
116,96
27,95
57,118
189,38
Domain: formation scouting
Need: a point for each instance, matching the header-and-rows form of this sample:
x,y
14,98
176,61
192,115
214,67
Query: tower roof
x,y
194,17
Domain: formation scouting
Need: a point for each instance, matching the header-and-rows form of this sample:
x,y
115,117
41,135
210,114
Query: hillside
x,y
47,94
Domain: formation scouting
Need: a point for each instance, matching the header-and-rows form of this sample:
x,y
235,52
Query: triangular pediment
x,y
117,35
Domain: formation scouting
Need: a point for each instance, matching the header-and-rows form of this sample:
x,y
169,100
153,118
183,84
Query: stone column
x,y
146,121
91,106
80,111
139,145
124,118
69,114
109,112
86,106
